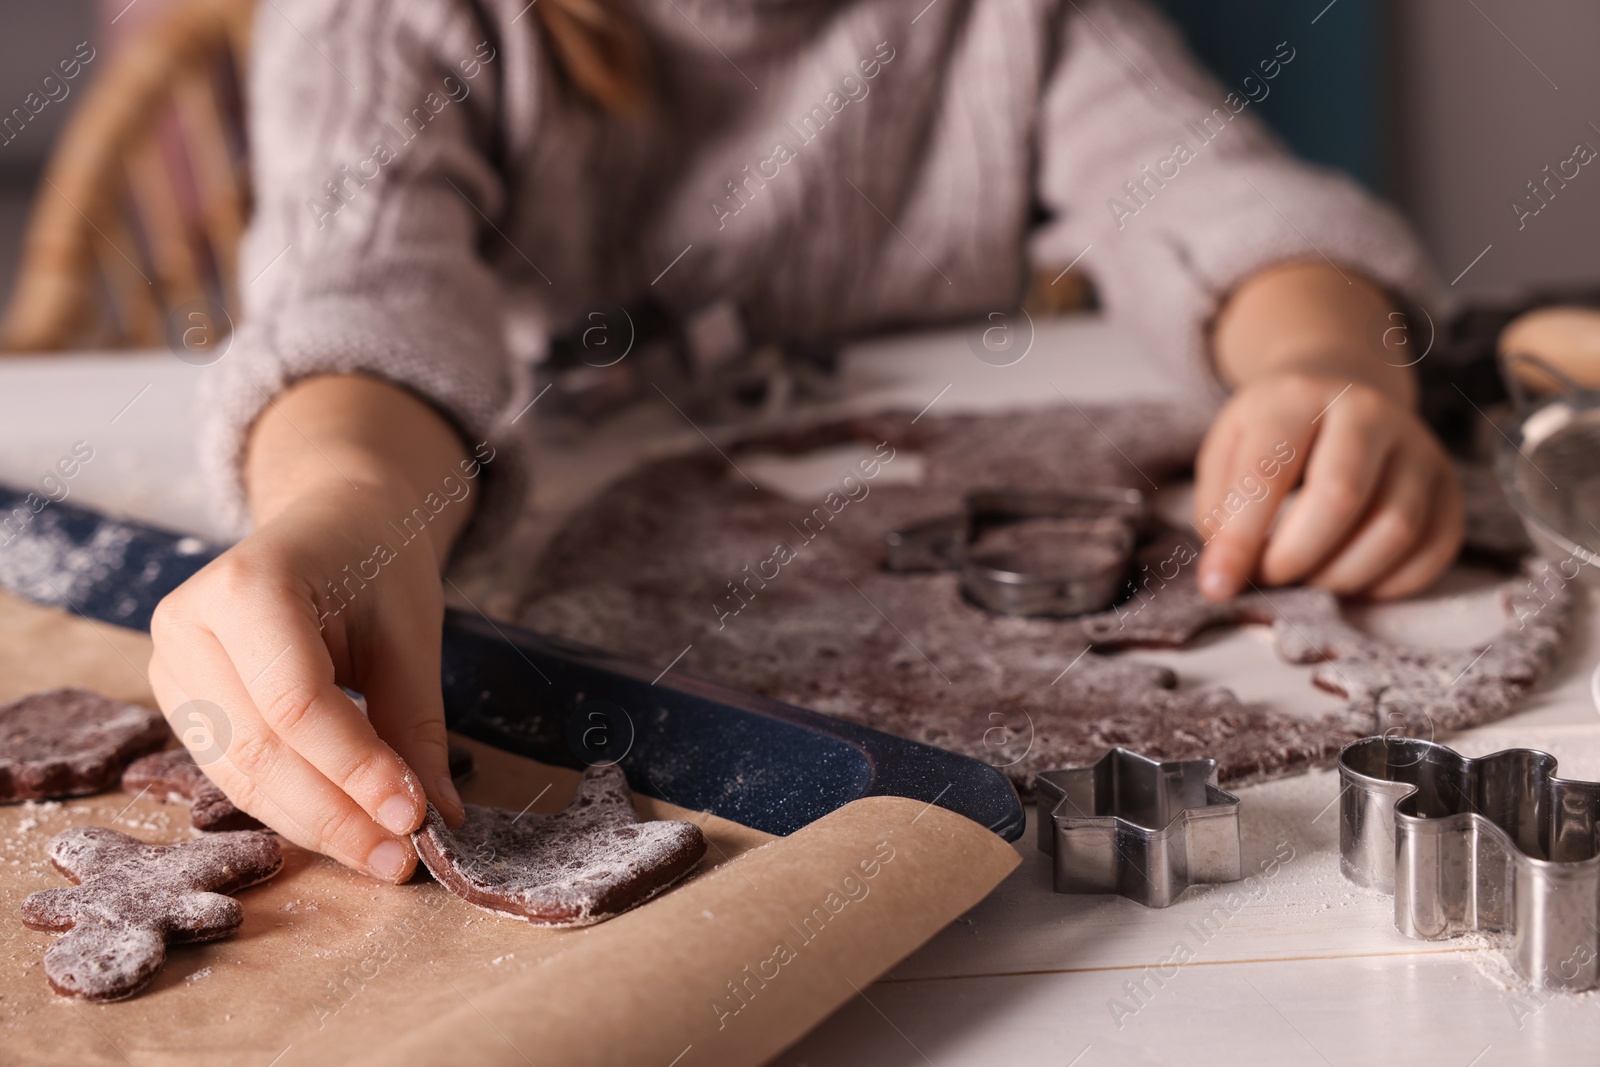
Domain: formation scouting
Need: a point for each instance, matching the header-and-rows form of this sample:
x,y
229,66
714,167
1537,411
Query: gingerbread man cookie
x,y
70,743
580,866
132,899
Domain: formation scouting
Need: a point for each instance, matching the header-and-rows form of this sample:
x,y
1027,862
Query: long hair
x,y
599,49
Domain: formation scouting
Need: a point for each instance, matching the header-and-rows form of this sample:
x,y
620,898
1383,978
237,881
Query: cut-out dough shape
x,y
133,899
71,742
173,776
583,865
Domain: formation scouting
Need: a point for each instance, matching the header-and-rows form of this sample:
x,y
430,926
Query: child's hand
x,y
1379,509
339,585
291,747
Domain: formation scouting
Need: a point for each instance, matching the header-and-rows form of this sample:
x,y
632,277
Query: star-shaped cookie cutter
x,y
1494,844
1143,828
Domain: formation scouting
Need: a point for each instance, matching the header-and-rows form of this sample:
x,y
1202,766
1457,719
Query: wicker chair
x,y
139,215
143,203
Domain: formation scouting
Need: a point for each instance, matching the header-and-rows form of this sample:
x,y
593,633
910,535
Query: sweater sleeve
x,y
1173,192
368,126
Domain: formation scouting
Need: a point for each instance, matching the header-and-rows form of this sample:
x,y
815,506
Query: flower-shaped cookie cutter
x,y
1102,524
1496,844
1142,828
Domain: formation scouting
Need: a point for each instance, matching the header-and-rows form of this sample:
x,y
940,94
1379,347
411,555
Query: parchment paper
x,y
767,937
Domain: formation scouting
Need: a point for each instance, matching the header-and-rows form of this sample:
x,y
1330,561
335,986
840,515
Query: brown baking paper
x,y
765,939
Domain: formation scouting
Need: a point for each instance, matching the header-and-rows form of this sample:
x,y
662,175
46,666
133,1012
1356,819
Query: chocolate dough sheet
x,y
789,599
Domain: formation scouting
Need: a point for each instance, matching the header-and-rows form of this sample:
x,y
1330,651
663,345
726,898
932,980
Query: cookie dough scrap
x,y
133,899
1423,688
174,776
71,742
577,867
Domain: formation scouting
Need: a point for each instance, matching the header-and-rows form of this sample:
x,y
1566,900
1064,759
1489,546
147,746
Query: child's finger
x,y
1436,551
175,702
289,678
1232,522
1342,476
407,707
268,779
1212,465
1392,529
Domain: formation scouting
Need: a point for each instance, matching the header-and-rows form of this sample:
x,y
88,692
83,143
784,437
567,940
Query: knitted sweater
x,y
433,202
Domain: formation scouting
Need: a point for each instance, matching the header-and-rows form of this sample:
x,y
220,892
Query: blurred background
x,y
33,39
1449,108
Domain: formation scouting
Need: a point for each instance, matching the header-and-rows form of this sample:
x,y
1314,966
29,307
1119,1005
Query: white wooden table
x,y
1304,968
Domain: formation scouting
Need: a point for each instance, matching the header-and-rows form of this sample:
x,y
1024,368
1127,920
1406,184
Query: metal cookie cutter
x,y
1497,844
1139,827
1093,532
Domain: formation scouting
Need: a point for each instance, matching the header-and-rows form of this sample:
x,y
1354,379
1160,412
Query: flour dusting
x,y
46,565
573,868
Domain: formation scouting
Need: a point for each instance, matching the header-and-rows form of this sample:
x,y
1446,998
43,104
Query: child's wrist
x,y
1343,365
1311,318
356,444
364,480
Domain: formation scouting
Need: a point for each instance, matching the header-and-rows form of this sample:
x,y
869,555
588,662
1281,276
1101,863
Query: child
x,y
441,185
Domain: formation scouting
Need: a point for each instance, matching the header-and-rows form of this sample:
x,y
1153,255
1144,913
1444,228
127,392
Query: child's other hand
x,y
1379,508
